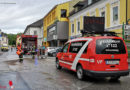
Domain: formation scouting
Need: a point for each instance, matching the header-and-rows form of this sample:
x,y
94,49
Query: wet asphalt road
x,y
44,76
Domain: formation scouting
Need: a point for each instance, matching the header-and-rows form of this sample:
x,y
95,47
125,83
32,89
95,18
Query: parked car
x,y
101,56
49,49
54,52
4,47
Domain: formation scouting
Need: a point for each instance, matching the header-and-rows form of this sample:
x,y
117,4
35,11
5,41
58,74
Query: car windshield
x,y
110,46
5,46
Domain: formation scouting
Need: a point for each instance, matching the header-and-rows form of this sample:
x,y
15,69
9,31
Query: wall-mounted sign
x,y
45,40
95,24
55,37
51,33
127,27
52,29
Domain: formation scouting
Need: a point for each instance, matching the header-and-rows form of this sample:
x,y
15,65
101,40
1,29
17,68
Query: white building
x,y
36,28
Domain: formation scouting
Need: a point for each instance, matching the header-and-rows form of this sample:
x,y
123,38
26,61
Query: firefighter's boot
x,y
21,58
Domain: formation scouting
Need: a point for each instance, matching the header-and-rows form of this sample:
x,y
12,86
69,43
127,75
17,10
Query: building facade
x,y
56,25
36,28
3,39
116,12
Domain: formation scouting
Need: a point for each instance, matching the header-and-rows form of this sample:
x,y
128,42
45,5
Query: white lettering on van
x,y
77,58
109,41
99,61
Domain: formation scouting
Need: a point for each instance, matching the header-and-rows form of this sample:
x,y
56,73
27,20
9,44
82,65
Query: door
x,y
75,48
65,56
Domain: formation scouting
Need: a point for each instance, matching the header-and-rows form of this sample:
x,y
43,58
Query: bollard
x,y
36,60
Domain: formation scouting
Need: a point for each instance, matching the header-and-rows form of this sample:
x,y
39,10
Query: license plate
x,y
112,62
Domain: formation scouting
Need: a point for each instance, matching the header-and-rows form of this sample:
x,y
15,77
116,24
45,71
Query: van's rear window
x,y
110,46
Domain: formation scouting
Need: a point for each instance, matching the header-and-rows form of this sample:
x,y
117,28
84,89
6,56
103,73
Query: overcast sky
x,y
15,17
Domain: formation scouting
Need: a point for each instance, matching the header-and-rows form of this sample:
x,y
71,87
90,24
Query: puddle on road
x,y
45,73
50,79
11,62
17,81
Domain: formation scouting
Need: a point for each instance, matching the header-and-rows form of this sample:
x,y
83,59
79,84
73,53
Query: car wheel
x,y
58,65
80,72
53,54
115,78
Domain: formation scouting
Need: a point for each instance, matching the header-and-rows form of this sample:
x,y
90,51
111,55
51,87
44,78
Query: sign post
x,y
126,31
123,31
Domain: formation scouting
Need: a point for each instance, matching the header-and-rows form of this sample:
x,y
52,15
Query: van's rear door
x,y
111,55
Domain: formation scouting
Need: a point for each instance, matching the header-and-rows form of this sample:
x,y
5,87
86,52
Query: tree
x,y
12,39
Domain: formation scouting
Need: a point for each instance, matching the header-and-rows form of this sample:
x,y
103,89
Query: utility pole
x,y
126,11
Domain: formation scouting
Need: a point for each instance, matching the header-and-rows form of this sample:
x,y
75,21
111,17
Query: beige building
x,y
3,39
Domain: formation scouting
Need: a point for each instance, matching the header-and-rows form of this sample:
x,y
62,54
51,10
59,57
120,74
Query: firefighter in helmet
x,y
20,53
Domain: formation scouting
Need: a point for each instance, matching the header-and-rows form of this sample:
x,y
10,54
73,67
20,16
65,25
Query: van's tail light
x,y
92,60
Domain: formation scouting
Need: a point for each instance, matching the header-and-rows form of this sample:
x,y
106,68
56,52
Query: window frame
x,y
102,14
90,2
96,48
64,12
114,4
114,12
78,27
65,46
35,32
85,50
72,28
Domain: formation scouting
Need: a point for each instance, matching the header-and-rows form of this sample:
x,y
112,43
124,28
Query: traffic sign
x,y
127,27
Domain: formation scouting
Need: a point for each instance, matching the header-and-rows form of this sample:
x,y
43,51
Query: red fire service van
x,y
95,56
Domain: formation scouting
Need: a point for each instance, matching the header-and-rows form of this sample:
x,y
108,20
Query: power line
x,y
6,3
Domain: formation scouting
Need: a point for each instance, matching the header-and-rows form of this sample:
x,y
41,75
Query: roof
x,y
84,5
38,23
29,36
80,3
